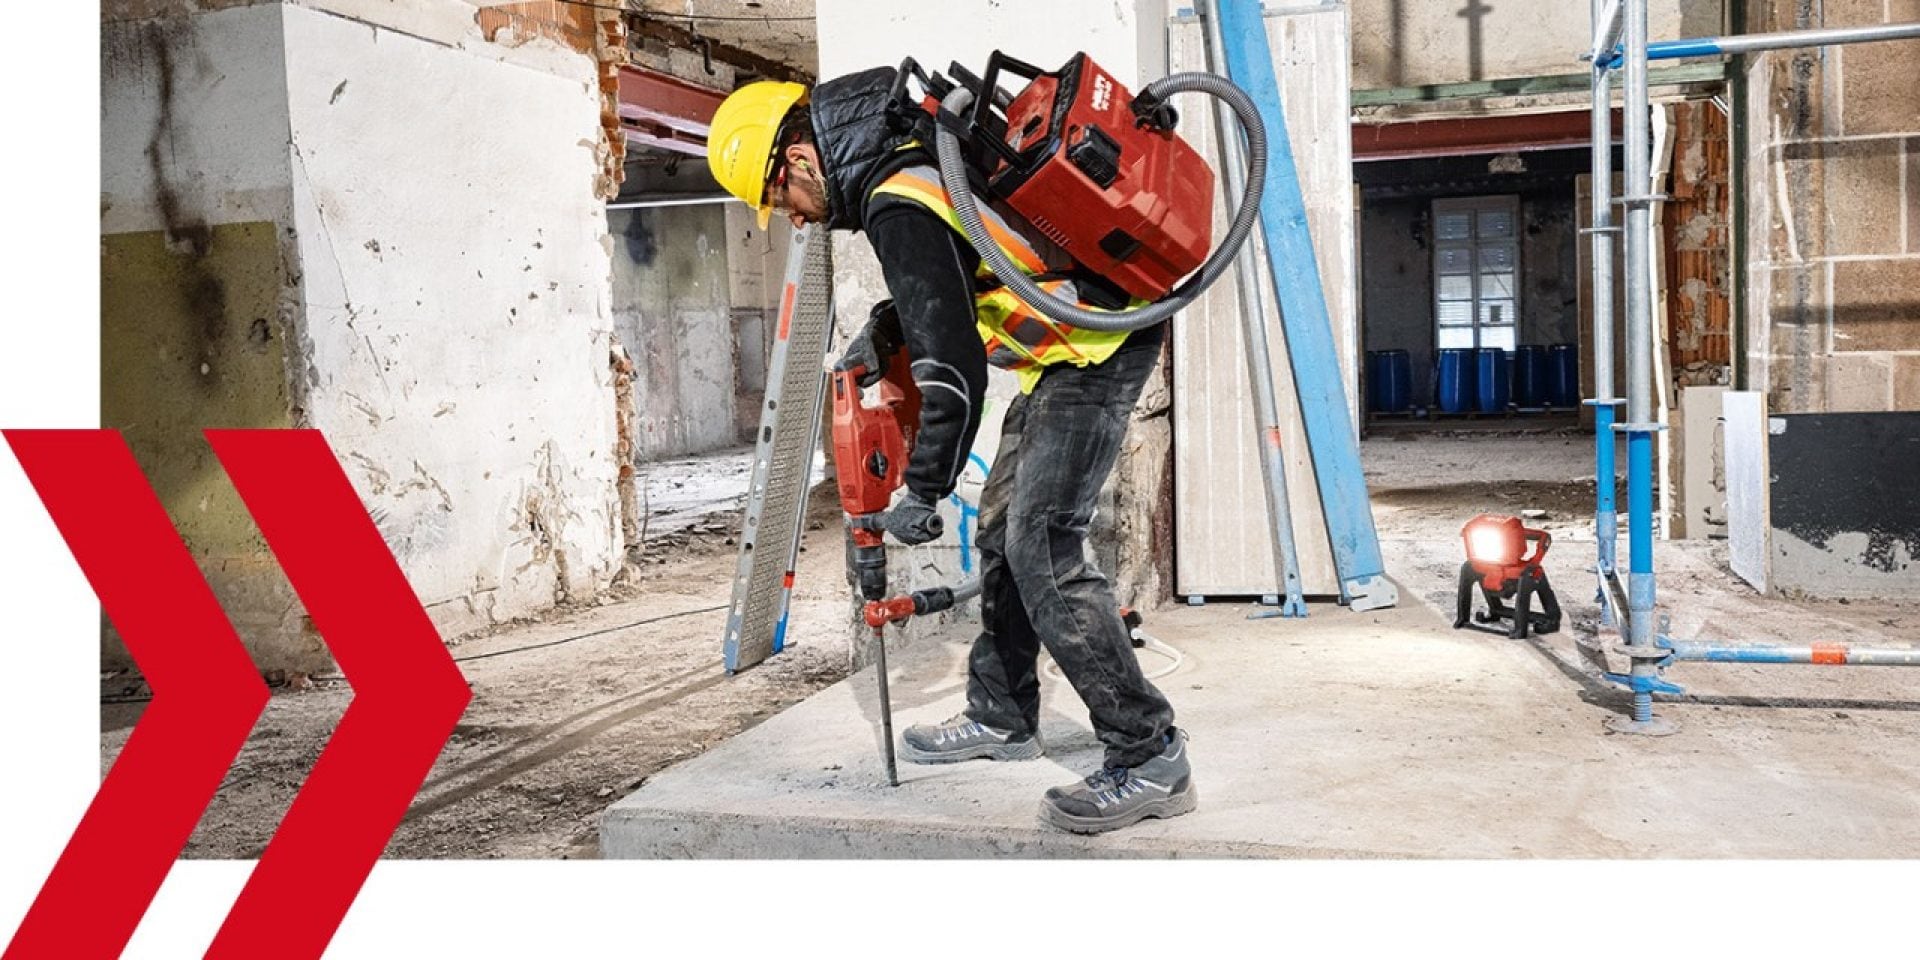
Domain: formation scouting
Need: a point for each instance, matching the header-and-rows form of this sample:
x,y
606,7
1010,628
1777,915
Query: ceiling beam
x,y
668,101
662,138
1471,135
643,26
1527,86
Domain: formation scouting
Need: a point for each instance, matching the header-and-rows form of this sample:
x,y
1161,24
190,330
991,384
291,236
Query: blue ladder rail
x,y
1303,314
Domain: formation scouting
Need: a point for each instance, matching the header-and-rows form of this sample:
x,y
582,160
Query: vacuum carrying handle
x,y
977,127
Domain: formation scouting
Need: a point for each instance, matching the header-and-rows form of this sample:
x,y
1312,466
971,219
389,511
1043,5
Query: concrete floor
x,y
1385,734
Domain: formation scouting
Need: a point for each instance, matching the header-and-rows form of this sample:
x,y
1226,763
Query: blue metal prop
x,y
1303,312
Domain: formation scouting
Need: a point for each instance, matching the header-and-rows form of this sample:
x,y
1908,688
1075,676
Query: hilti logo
x,y
1102,93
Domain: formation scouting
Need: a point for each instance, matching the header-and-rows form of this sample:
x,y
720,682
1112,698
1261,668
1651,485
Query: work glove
x,y
874,344
914,521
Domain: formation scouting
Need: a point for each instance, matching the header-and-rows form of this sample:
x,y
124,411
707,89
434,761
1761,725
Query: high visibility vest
x,y
1017,337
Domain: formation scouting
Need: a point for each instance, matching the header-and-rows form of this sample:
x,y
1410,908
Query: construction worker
x,y
832,158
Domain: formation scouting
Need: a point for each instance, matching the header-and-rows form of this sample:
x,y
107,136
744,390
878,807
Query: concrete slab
x,y
1359,735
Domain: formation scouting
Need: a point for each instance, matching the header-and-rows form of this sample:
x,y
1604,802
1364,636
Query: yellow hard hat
x,y
740,139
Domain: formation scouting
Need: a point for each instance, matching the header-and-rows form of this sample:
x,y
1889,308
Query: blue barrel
x,y
1392,381
1373,379
1491,376
1563,375
1453,380
1530,365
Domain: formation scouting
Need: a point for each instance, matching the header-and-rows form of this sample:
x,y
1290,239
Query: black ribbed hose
x,y
953,176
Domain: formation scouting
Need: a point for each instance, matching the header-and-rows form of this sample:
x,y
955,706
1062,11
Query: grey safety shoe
x,y
1117,797
963,739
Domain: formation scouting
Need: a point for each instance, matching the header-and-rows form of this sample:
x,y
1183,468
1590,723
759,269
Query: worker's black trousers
x,y
1039,585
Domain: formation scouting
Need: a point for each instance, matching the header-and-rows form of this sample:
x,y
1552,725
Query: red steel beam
x,y
1469,135
660,100
662,138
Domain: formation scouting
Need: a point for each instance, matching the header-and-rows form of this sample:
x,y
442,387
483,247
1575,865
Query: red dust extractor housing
x,y
1114,186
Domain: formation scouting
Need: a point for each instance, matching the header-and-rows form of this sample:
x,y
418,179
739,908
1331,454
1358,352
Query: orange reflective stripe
x,y
1016,337
1038,332
1006,239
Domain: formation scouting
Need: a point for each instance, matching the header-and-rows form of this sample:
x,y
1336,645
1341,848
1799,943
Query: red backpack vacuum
x,y
1092,168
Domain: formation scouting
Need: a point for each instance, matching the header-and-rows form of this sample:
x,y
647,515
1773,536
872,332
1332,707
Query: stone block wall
x,y
1834,216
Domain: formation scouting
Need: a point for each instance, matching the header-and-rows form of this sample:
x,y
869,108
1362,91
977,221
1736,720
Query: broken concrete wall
x,y
1404,43
756,275
195,201
455,286
369,219
673,313
1833,305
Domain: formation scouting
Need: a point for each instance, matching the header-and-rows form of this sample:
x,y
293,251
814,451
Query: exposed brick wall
x,y
600,31
611,52
1699,318
1834,218
568,23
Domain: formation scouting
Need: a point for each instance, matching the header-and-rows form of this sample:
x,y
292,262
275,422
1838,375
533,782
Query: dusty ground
x,y
569,711
1428,484
576,710
1385,733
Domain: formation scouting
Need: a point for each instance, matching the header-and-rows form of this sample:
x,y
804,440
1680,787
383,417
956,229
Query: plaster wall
x,y
457,316
304,226
195,200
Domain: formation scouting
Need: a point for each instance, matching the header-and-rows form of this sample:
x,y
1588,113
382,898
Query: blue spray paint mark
x,y
968,512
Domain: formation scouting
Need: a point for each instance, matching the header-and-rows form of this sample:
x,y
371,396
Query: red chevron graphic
x,y
407,693
206,694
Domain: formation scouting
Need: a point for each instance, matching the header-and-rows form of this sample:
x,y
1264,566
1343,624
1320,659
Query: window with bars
x,y
1476,271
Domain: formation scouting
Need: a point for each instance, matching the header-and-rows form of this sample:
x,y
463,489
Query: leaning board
x,y
1744,419
1221,527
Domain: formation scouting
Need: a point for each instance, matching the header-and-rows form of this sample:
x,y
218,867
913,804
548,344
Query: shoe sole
x,y
1028,749
1173,806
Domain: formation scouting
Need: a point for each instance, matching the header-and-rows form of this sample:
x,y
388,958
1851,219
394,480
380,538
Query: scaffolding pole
x,y
1758,42
1823,654
1601,230
1253,323
1647,647
1642,643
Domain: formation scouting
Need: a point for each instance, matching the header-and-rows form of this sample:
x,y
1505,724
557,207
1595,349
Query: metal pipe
x,y
1824,654
1736,173
1606,29
1616,591
1253,323
1606,524
1784,40
1640,412
1739,196
1757,42
673,202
